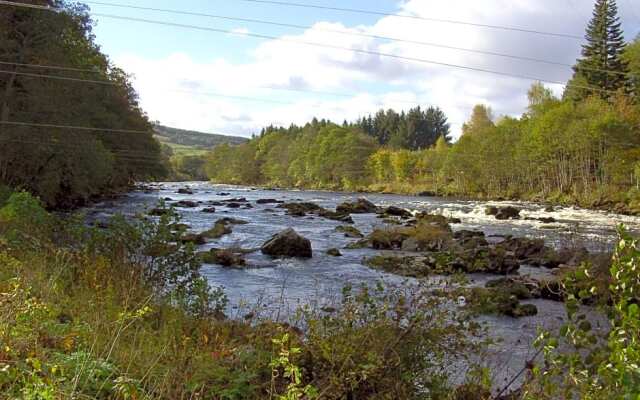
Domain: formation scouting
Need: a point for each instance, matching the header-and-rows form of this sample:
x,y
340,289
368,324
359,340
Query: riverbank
x,y
608,199
122,311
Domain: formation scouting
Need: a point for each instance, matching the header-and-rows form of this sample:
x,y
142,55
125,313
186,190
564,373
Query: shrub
x,y
602,365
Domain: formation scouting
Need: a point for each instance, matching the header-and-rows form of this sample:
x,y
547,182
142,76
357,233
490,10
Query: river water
x,y
274,288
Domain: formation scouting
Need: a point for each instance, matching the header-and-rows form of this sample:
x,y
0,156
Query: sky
x,y
234,84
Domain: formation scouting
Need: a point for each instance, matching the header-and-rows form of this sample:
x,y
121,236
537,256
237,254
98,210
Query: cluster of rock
x,y
463,252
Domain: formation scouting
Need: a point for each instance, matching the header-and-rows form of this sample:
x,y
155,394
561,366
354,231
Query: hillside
x,y
179,138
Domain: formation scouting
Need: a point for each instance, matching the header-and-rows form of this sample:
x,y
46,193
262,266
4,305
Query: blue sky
x,y
214,82
119,37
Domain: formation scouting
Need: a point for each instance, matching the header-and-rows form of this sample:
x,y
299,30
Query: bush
x,y
603,365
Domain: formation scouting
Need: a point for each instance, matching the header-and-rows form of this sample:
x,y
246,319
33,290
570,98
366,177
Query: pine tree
x,y
601,66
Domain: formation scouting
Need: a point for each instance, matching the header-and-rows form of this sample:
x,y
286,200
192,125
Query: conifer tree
x,y
601,66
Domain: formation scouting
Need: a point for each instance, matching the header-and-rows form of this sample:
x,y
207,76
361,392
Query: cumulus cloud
x,y
214,96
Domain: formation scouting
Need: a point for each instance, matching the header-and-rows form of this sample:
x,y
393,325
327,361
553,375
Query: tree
x,y
602,66
481,120
632,57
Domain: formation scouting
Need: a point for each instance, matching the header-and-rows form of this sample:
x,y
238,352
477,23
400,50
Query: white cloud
x,y
163,83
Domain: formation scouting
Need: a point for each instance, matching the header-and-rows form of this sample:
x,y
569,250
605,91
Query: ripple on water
x,y
282,285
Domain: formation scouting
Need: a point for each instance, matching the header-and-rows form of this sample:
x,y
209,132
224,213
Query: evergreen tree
x,y
602,66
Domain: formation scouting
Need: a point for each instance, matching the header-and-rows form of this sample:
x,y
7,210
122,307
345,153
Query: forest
x,y
580,149
70,124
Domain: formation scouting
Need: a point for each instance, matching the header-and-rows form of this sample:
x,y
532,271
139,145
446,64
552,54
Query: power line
x,y
415,17
144,157
62,78
342,32
233,97
51,67
359,34
322,45
80,128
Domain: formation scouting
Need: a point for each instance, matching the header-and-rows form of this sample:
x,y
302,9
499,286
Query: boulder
x,y
360,206
195,238
288,244
158,212
226,258
185,191
300,209
236,200
350,232
334,253
336,216
209,210
491,210
186,204
232,221
397,212
269,201
524,248
509,212
233,205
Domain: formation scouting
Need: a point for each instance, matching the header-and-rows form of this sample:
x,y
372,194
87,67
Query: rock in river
x,y
361,206
288,244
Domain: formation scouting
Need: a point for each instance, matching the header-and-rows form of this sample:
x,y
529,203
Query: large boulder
x,y
360,206
288,244
524,248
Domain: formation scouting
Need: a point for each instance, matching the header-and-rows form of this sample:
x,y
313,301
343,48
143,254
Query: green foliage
x,y
602,364
123,313
23,219
67,167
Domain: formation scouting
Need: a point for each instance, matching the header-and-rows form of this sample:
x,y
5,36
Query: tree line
x,y
581,148
66,167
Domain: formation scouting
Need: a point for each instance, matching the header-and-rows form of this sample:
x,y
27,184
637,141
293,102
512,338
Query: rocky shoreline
x,y
410,244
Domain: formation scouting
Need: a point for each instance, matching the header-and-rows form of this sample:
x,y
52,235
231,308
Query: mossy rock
x,y
334,253
219,230
224,257
350,231
195,238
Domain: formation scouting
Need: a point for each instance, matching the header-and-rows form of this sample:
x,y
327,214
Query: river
x,y
271,287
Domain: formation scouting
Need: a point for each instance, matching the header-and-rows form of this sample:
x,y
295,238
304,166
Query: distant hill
x,y
194,139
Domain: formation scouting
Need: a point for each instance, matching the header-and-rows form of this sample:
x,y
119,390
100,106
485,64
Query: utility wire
x,y
80,128
415,17
321,45
232,97
84,128
61,78
94,71
342,32
143,158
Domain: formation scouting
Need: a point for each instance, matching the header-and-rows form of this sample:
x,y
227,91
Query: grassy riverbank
x,y
122,313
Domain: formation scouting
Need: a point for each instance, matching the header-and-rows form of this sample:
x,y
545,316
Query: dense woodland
x,y
66,167
582,148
